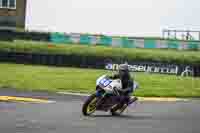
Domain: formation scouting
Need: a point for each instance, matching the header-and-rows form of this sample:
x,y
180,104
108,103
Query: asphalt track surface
x,y
64,116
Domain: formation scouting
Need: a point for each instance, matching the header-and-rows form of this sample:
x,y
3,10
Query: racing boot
x,y
132,100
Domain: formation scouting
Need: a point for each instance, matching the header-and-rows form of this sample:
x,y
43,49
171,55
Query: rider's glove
x,y
128,91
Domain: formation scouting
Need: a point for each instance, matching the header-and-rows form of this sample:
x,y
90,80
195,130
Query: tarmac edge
x,y
159,99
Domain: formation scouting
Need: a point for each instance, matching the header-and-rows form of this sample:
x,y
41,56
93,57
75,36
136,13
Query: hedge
x,y
157,55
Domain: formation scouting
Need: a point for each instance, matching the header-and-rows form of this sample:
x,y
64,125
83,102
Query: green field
x,y
53,79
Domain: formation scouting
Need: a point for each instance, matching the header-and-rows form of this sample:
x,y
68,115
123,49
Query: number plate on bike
x,y
105,82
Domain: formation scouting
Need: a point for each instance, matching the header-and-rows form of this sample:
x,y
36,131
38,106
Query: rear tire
x,y
114,110
89,106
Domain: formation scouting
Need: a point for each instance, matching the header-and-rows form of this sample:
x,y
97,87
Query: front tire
x,y
89,106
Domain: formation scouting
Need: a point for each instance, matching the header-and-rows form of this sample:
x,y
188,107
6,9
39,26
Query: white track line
x,y
140,98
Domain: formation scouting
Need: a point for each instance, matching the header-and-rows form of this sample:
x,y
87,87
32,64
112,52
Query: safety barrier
x,y
100,63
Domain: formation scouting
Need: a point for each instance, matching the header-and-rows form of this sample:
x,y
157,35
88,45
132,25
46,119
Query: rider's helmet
x,y
124,71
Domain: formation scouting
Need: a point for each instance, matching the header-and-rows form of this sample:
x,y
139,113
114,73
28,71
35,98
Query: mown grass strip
x,y
59,79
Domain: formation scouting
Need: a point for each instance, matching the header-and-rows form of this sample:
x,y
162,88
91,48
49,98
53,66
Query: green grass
x,y
53,79
166,55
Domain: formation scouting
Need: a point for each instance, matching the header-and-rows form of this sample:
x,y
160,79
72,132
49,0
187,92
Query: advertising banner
x,y
150,67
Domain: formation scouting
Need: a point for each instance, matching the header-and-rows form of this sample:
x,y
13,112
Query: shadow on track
x,y
131,117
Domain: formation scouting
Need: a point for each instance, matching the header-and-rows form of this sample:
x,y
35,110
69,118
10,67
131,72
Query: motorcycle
x,y
107,97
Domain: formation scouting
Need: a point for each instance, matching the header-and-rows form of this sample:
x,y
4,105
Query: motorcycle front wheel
x,y
89,107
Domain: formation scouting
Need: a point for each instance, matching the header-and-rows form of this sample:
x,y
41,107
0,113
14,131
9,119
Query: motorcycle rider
x,y
126,91
127,81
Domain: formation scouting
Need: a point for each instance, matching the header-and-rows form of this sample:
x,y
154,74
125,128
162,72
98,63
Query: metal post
x,y
199,36
168,34
187,35
175,34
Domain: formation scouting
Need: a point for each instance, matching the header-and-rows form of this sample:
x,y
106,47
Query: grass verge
x,y
53,79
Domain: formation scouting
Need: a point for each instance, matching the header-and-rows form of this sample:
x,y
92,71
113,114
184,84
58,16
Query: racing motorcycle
x,y
107,97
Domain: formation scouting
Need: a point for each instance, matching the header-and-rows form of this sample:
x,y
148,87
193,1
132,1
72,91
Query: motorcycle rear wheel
x,y
117,110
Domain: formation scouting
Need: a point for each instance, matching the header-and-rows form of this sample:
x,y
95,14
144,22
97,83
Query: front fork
x,y
101,94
